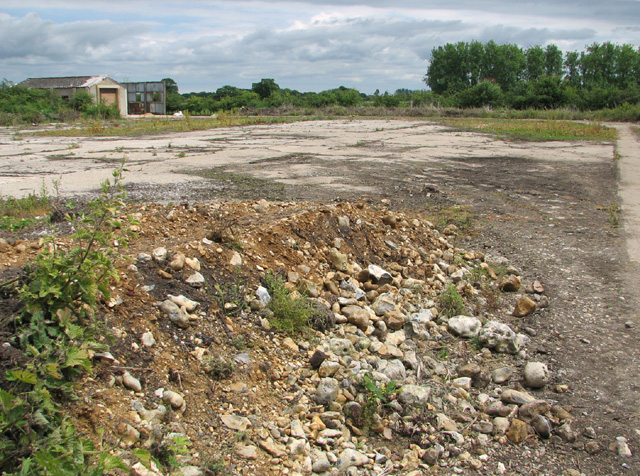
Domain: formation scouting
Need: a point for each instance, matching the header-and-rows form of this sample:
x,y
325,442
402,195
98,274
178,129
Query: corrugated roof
x,y
60,83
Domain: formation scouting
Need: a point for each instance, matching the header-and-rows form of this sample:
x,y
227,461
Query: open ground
x,y
565,213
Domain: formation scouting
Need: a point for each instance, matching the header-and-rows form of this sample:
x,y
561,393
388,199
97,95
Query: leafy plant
x,y
450,302
291,313
382,393
218,367
56,330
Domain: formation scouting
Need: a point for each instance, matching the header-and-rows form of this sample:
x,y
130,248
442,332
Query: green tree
x,y
265,88
172,86
535,58
573,74
553,61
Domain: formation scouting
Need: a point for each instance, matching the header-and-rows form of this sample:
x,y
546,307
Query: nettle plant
x,y
57,331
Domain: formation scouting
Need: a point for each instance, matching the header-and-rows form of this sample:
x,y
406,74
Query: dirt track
x,y
547,207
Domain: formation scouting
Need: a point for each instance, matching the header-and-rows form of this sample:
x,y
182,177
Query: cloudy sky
x,y
308,45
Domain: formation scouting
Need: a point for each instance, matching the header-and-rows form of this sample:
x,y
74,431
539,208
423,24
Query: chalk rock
x,y
465,326
536,374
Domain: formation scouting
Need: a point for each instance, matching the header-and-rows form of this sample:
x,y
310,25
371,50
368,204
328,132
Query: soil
x,y
550,209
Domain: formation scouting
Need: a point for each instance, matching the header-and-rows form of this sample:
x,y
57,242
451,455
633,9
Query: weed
x,y
614,215
444,353
57,332
239,342
291,313
382,393
231,297
181,155
455,215
218,368
450,302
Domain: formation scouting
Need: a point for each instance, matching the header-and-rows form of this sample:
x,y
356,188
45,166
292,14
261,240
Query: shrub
x,y
291,313
450,302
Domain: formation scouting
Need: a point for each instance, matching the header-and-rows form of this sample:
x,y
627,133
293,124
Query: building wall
x,y
108,84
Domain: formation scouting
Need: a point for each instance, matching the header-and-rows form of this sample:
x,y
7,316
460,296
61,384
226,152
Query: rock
x,y
328,368
263,296
321,465
341,347
160,254
542,426
510,284
500,337
414,395
196,280
433,454
249,452
516,397
465,326
147,339
379,275
384,303
462,382
567,433
288,343
524,307
174,399
236,260
359,318
138,469
327,391
175,313
480,377
394,320
318,358
235,422
297,446
338,260
274,449
528,411
622,447
592,447
443,422
131,382
501,375
191,471
193,263
536,374
350,457
393,369
184,302
177,262
518,431
128,434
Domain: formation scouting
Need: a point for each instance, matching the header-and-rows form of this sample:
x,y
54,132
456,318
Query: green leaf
x,y
23,376
77,358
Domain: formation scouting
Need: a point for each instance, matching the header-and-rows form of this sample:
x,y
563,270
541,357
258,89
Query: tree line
x,y
474,74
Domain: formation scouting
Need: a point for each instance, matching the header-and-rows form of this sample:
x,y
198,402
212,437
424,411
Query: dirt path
x,y
628,149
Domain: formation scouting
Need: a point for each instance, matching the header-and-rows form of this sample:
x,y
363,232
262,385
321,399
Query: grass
x,y
533,130
450,302
20,213
291,313
459,216
141,127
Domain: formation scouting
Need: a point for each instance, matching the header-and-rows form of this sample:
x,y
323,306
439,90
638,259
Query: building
x,y
103,89
146,98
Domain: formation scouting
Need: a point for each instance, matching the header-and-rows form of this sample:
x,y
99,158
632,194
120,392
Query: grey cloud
x,y
33,37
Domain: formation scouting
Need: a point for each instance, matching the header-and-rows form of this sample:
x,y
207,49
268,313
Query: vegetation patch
x,y
291,312
21,213
533,130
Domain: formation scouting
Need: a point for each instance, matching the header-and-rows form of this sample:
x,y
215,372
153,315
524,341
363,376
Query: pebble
x,y
536,374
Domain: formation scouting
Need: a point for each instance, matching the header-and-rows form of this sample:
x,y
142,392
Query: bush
x,y
291,313
450,302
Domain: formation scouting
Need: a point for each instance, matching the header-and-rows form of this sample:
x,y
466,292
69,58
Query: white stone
x,y
465,326
536,374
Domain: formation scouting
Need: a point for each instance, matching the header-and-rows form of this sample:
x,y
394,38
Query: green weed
x,y
291,313
450,303
614,215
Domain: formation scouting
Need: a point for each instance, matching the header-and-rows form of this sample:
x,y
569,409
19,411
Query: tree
x,y
553,61
172,86
535,58
265,88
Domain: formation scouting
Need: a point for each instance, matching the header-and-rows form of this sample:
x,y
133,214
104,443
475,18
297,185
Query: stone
x,y
328,368
184,302
518,431
359,318
542,426
341,347
524,307
263,296
338,260
236,260
177,262
500,425
622,447
414,395
327,391
193,263
528,411
500,337
433,454
510,284
147,339
394,369
394,320
159,254
321,465
465,326
288,343
274,449
516,397
131,382
566,432
191,471
384,303
138,469
502,375
317,358
379,275
175,313
350,457
536,374
235,422
174,399
195,280
443,422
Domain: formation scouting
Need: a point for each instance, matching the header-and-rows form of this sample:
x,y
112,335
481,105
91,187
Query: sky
x,y
307,45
